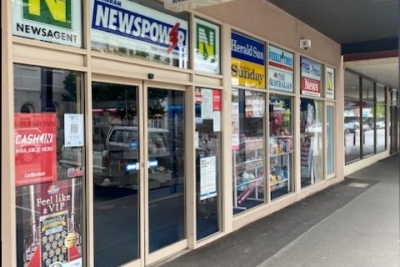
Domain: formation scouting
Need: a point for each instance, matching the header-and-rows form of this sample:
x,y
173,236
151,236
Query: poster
x,y
217,121
56,232
207,104
330,83
235,126
310,77
207,51
73,130
35,148
280,70
208,177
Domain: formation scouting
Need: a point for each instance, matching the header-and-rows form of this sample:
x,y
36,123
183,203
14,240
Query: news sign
x,y
310,77
35,148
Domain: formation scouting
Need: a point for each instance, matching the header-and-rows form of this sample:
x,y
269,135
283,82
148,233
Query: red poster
x,y
310,87
197,95
35,148
216,100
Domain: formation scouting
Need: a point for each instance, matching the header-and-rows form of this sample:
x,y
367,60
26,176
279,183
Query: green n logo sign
x,y
206,41
52,12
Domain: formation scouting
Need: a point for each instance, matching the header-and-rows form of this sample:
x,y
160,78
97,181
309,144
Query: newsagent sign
x,y
131,29
48,20
35,148
310,77
247,61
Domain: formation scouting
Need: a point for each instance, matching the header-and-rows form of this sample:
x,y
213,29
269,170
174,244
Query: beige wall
x,y
262,19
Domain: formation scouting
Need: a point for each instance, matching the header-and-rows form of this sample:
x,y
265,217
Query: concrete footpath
x,y
354,223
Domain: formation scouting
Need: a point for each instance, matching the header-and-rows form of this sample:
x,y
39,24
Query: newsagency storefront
x,y
134,132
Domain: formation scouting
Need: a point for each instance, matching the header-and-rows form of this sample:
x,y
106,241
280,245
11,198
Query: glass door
x,y
138,173
116,179
165,174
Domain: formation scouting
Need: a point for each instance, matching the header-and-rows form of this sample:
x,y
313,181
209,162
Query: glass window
x,y
330,140
248,148
280,145
352,118
368,118
49,21
381,118
311,123
208,161
48,195
132,31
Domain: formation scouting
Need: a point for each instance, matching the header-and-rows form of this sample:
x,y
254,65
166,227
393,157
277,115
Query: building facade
x,y
134,133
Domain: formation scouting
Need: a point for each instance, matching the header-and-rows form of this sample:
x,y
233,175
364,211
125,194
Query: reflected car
x,y
380,125
351,126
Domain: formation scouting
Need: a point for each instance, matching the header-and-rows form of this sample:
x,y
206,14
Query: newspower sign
x,y
184,5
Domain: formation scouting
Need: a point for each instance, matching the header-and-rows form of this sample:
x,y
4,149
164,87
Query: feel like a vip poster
x,y
55,237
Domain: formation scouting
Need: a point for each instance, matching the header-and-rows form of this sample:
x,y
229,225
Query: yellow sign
x,y
248,74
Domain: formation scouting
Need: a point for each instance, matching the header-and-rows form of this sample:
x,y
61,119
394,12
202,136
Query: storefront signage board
x,y
207,50
310,77
247,61
280,70
330,83
50,21
35,148
130,29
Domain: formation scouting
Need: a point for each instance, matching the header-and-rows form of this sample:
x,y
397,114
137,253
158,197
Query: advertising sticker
x,y
207,104
49,21
248,61
73,130
330,83
35,148
207,53
310,77
208,174
128,29
280,70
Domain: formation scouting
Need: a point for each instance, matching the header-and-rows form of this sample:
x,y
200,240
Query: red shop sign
x,y
216,100
310,87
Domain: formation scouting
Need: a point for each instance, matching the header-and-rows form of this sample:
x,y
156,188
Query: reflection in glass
x,y
248,146
380,123
368,118
208,161
352,118
280,145
330,140
115,174
166,172
48,194
311,123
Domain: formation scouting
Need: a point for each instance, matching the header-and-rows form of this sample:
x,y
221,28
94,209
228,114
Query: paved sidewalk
x,y
354,223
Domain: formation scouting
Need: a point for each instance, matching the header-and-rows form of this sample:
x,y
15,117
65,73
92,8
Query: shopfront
x,y
140,132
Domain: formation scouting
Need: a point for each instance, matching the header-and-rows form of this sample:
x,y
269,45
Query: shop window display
x,y
48,196
208,161
248,145
280,145
311,132
368,118
380,122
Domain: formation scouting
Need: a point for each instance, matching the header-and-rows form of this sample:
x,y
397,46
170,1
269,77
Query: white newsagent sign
x,y
48,20
127,27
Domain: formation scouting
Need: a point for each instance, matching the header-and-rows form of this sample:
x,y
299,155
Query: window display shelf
x,y
281,154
